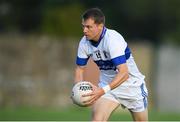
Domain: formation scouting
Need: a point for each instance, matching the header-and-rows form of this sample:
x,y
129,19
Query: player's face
x,y
91,30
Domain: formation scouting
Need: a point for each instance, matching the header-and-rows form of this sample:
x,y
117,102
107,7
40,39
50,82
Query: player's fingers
x,y
94,87
86,95
90,101
88,104
87,101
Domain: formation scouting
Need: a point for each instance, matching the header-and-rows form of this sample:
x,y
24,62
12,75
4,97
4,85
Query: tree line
x,y
154,20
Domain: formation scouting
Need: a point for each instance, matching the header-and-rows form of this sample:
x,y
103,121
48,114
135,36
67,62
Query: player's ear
x,y
100,26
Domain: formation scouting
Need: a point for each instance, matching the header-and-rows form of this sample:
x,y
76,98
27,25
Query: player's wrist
x,y
106,88
76,81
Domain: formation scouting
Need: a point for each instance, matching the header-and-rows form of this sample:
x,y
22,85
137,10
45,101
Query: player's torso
x,y
101,55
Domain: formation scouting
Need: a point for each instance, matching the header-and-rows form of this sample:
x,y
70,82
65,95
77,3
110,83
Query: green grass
x,y
73,113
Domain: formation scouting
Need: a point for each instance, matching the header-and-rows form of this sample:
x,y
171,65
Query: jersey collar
x,y
95,44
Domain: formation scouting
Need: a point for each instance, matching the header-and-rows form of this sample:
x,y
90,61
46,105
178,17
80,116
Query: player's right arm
x,y
81,61
79,73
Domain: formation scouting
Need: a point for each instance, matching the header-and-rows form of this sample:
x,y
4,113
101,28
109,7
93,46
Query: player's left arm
x,y
121,76
117,49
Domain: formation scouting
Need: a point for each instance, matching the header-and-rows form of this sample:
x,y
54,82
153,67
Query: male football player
x,y
120,81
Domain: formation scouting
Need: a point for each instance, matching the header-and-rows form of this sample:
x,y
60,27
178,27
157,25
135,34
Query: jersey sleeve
x,y
117,47
82,56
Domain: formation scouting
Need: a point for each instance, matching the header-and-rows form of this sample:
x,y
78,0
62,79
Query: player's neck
x,y
98,36
101,35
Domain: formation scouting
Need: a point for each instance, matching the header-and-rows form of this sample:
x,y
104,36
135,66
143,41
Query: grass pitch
x,y
73,114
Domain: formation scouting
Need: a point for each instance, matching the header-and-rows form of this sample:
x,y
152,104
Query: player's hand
x,y
96,94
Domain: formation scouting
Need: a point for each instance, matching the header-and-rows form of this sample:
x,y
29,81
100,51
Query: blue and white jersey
x,y
110,51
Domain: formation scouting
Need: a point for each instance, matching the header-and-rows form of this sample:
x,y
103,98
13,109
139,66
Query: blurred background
x,y
38,42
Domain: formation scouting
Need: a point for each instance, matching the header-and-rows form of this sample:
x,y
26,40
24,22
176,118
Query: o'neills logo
x,y
84,88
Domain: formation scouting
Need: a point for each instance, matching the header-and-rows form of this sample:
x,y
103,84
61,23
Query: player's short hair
x,y
96,14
